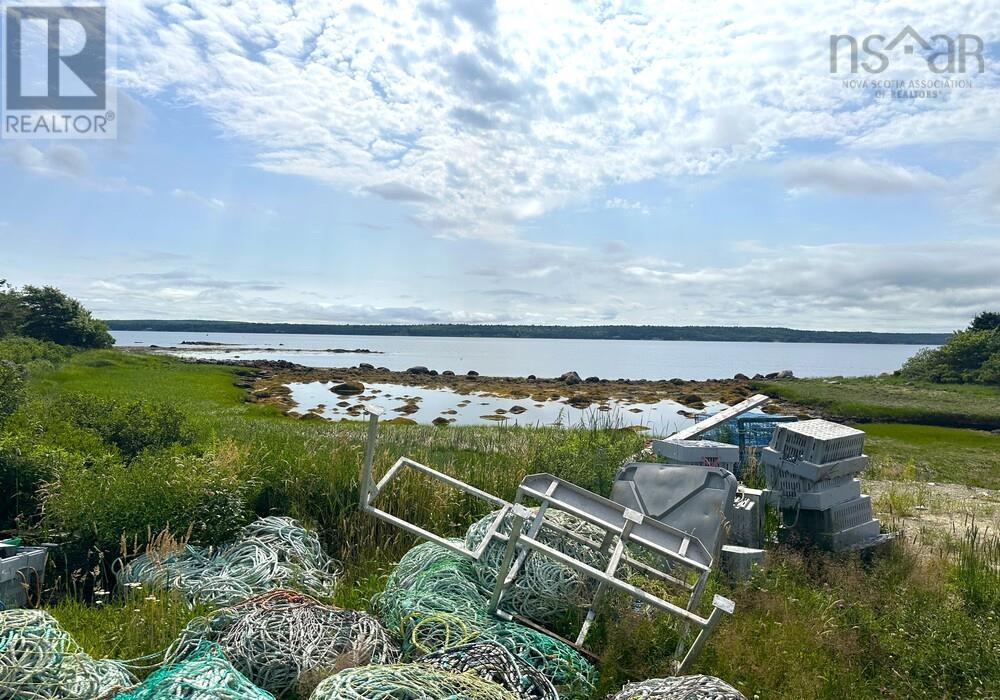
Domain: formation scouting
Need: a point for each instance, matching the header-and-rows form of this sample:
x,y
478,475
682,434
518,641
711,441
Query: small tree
x,y
11,313
986,321
51,315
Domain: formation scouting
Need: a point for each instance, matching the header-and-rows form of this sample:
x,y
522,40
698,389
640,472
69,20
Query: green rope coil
x,y
273,552
407,682
432,601
544,589
285,641
204,674
39,660
680,688
492,662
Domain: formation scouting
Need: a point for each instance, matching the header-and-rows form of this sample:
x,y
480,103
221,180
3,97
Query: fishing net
x,y
273,552
680,688
407,682
204,674
41,661
544,589
492,662
432,600
285,641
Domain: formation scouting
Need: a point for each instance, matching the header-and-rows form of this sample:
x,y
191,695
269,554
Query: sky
x,y
472,161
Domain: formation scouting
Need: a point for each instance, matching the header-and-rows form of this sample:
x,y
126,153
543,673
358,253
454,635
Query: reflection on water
x,y
423,405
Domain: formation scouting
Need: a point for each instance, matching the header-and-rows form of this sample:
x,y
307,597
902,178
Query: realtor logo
x,y
55,72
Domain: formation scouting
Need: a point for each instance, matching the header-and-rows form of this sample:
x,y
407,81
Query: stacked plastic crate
x,y
811,468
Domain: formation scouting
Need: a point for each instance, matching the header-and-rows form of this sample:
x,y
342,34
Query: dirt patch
x,y
930,513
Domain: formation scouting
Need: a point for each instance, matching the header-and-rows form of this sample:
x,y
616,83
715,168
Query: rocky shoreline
x,y
266,382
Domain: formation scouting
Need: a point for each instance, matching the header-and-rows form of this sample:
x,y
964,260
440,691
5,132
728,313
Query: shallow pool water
x,y
661,417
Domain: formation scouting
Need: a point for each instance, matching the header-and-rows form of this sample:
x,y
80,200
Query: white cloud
x,y
856,176
213,203
483,116
620,203
64,162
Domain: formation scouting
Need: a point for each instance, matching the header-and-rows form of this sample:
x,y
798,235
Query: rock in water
x,y
348,388
570,378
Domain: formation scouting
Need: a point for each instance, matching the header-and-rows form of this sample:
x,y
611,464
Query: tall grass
x,y
977,574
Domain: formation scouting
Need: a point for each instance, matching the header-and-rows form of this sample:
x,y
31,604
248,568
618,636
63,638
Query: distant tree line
x,y
459,330
971,356
45,313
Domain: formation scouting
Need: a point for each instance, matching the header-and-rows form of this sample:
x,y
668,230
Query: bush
x,y
33,354
111,500
11,389
132,426
24,466
971,356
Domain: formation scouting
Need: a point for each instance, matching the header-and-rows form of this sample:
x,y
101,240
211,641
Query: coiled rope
x,y
204,674
273,552
407,682
680,688
285,641
493,663
39,660
544,589
432,601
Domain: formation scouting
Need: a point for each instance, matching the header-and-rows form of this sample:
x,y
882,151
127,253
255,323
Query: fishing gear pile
x,y
680,688
432,601
273,552
204,674
544,589
41,661
285,641
493,663
407,682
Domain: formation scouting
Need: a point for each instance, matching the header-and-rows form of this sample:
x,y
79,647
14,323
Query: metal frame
x,y
693,431
624,528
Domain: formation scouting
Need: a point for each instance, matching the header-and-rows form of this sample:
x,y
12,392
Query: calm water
x,y
518,357
661,417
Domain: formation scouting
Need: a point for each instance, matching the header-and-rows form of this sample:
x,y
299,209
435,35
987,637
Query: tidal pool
x,y
660,418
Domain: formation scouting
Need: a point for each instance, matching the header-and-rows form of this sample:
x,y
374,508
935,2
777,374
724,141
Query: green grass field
x,y
900,625
893,400
933,453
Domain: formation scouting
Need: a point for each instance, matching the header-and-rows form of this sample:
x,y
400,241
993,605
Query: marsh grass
x,y
891,399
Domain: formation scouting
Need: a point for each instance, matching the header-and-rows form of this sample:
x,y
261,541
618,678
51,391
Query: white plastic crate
x,y
829,495
851,537
817,441
842,516
26,565
810,471
746,528
794,491
705,452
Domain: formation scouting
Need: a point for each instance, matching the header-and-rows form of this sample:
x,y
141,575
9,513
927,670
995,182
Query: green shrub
x,y
101,504
961,360
33,354
989,372
24,466
11,389
131,426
